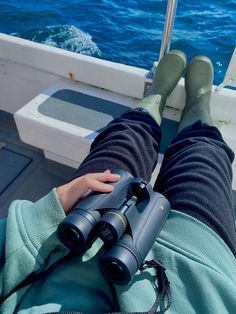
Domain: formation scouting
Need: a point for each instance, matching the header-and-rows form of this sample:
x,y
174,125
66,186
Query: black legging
x,y
195,175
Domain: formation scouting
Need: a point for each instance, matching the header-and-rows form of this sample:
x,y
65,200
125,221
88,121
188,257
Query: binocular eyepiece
x,y
128,220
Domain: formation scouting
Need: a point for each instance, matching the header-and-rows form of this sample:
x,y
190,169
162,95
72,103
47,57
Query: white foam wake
x,y
67,37
71,38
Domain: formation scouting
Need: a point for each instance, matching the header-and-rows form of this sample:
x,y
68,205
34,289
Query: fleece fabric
x,y
200,267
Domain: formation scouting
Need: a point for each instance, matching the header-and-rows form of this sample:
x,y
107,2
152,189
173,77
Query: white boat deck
x,y
31,73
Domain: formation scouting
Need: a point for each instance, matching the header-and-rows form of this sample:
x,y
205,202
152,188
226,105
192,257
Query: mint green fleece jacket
x,y
200,267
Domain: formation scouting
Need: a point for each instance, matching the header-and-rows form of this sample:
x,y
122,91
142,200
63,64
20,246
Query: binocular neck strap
x,y
34,277
163,295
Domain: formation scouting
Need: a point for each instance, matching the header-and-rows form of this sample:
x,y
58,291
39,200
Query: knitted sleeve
x,y
28,236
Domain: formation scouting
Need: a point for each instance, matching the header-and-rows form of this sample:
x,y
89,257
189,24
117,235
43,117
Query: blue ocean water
x,y
126,31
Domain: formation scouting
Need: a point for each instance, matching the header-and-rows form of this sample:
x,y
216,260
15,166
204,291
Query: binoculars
x,y
128,220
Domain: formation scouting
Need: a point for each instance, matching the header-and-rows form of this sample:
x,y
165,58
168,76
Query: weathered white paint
x,y
48,133
19,84
27,67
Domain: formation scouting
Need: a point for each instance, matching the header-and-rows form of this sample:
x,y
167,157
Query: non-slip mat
x,y
82,110
16,163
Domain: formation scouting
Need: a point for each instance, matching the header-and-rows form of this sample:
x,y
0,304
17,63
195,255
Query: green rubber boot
x,y
168,73
198,87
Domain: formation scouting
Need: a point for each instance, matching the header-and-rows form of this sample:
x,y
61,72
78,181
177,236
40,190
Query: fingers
x,y
95,181
98,186
105,176
107,171
71,192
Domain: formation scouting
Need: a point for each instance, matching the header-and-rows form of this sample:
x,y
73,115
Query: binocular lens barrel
x,y
118,265
75,230
71,236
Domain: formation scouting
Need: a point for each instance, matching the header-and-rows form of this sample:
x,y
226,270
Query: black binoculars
x,y
128,220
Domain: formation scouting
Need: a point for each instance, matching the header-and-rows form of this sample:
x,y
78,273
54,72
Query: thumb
x,y
107,171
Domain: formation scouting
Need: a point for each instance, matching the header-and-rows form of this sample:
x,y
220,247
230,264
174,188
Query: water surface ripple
x,y
126,31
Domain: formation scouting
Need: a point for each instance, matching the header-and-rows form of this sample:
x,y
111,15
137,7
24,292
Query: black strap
x,y
36,276
164,291
163,295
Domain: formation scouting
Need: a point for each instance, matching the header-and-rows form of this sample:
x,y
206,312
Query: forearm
x,y
31,228
30,238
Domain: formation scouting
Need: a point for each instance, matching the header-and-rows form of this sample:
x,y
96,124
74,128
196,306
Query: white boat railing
x,y
230,76
168,28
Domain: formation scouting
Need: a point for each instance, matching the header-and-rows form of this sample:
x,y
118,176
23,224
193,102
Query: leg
x,y
131,142
196,173
196,178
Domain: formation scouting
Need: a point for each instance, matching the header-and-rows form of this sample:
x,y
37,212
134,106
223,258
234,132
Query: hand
x,y
70,193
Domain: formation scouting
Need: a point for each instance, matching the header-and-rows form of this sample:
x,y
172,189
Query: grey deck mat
x,y
82,110
92,113
24,172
